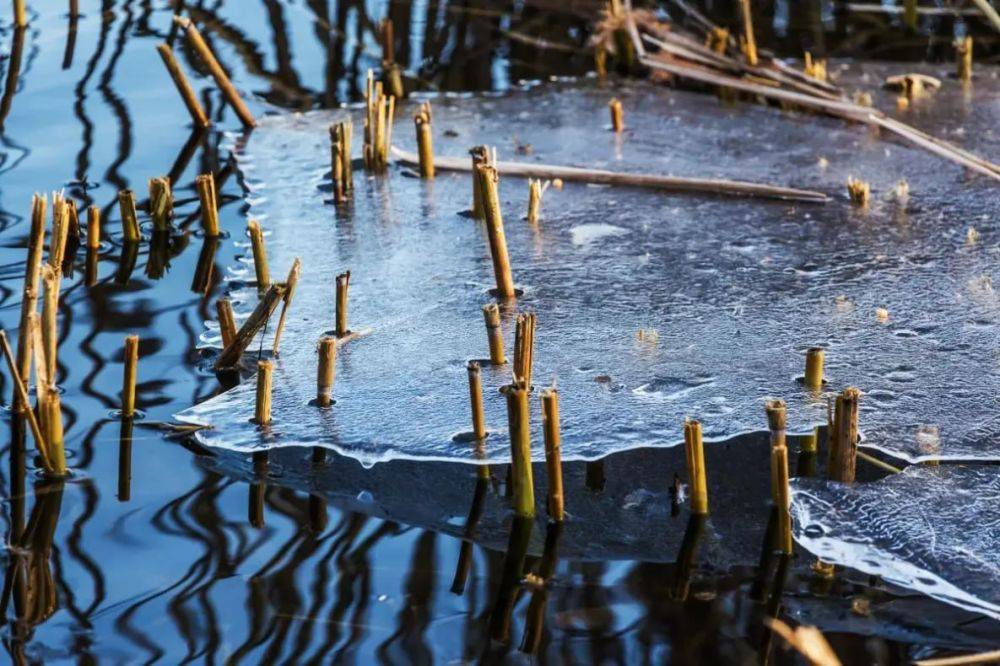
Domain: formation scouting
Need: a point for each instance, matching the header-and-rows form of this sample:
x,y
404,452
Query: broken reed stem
x,y
60,232
340,160
20,14
391,74
184,89
259,255
695,453
617,115
93,227
843,437
749,41
343,282
50,310
205,185
524,349
130,219
232,353
518,418
491,313
425,145
290,283
553,455
161,203
29,299
963,59
327,371
262,407
129,376
227,321
21,396
480,156
814,368
535,191
489,185
379,113
49,404
229,91
859,191
776,420
476,402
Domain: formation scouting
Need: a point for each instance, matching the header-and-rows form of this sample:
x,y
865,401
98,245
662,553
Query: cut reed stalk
x,y
340,160
859,191
489,184
535,192
776,420
129,376
327,371
229,91
524,349
425,146
749,41
50,310
184,89
480,156
617,115
60,232
695,453
20,14
21,395
963,58
93,227
259,256
205,185
844,437
379,114
130,219
491,313
391,74
262,406
553,455
231,355
518,418
49,402
476,402
290,283
343,283
227,321
161,203
29,299
814,368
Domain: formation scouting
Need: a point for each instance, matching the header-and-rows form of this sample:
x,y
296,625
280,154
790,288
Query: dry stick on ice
x,y
844,437
29,299
491,313
205,185
21,394
227,321
327,370
476,401
814,368
259,255
524,349
262,407
694,450
963,59
425,146
535,191
130,220
776,415
290,283
480,156
161,203
343,282
617,115
93,227
190,99
340,160
230,356
489,184
553,456
197,42
129,376
518,418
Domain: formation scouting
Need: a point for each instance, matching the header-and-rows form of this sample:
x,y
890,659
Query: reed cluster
x,y
340,160
380,110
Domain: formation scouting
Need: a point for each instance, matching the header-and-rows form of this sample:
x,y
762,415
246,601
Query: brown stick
x,y
489,184
844,437
476,402
518,417
491,313
129,376
327,371
215,69
130,220
93,227
749,40
422,121
161,203
262,407
480,156
340,160
290,283
50,311
49,404
205,185
184,89
261,270
695,453
617,115
814,368
29,299
601,177
227,321
20,14
22,396
343,282
60,232
553,456
524,349
776,419
230,356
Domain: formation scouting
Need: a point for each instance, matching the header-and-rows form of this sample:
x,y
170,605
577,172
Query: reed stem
x,y
340,160
695,453
21,395
617,115
379,114
776,422
130,219
262,407
476,402
49,402
290,283
859,191
259,256
227,321
491,313
963,58
749,41
231,355
205,185
50,311
391,74
60,232
29,299
518,417
844,437
184,89
489,184
524,349
93,227
129,376
327,372
161,203
553,455
425,146
20,14
229,91
814,368
343,283
480,156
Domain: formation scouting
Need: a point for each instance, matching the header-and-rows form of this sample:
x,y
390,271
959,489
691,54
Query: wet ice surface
x,y
932,529
737,289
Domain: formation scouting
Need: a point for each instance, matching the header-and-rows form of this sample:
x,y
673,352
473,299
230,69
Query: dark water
x,y
155,552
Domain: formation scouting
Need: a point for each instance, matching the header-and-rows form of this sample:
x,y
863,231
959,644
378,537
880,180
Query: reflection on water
x,y
146,555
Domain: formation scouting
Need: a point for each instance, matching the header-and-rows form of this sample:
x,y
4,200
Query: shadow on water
x,y
154,550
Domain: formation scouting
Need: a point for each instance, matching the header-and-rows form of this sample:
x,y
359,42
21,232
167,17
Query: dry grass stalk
x,y
51,280
844,437
343,283
205,185
93,227
807,641
49,403
290,283
20,14
184,89
262,406
775,410
425,146
694,451
814,69
379,114
518,418
161,203
227,320
553,456
60,231
524,349
814,368
327,371
489,184
232,353
229,91
476,402
859,191
536,190
129,374
617,115
749,41
963,59
481,155
130,219
21,396
29,297
260,268
340,160
392,76
491,313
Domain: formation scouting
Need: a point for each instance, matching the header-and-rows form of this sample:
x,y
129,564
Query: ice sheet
x,y
931,529
736,289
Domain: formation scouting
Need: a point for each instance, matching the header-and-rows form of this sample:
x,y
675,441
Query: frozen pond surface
x,y
737,289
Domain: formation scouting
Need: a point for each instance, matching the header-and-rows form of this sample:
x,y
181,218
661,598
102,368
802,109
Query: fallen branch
x,y
601,177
